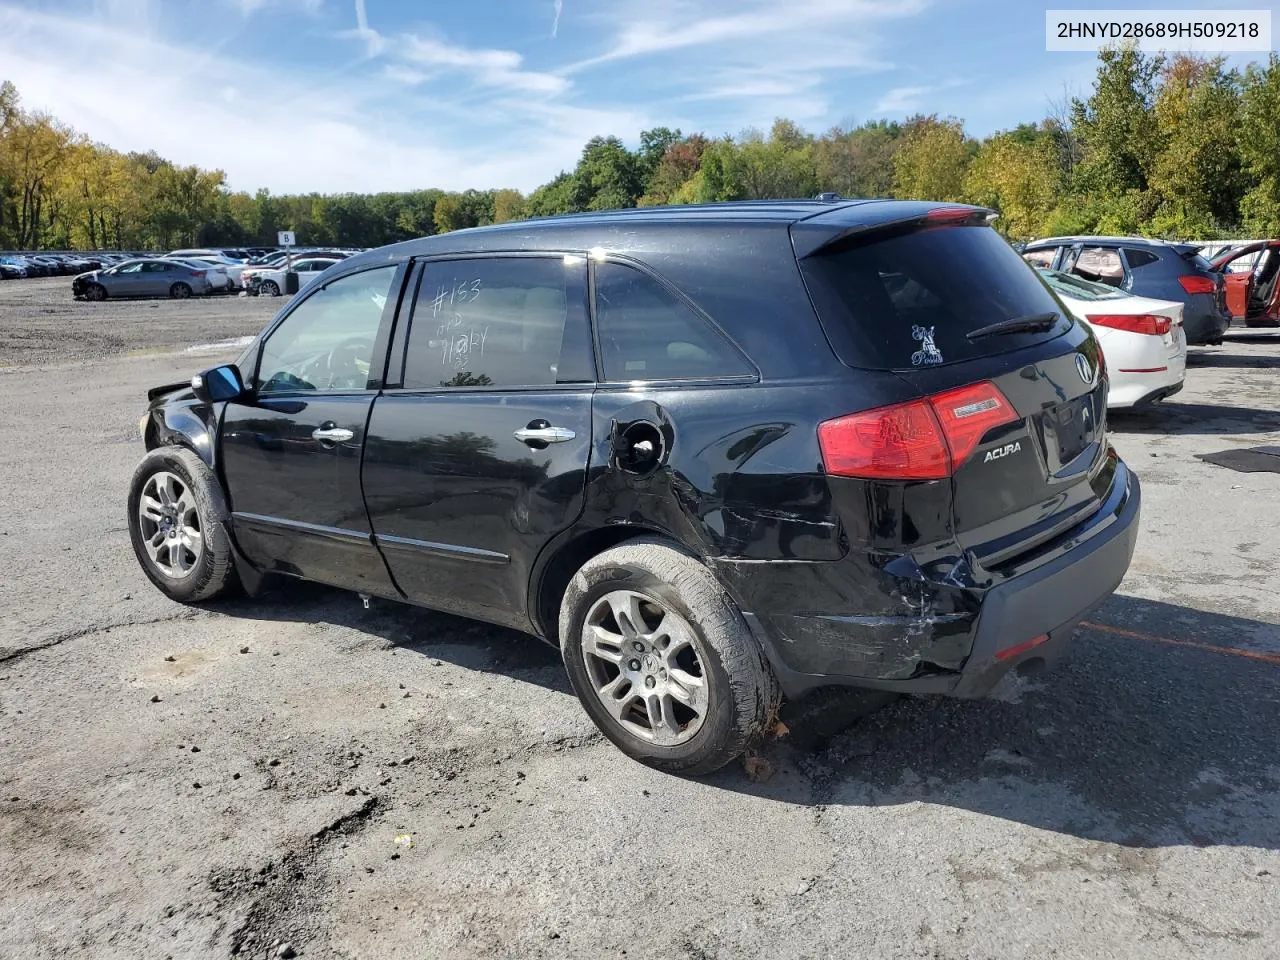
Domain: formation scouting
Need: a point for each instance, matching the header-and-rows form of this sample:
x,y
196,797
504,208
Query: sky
x,y
369,95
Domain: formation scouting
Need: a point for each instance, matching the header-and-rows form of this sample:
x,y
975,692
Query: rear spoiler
x,y
1186,250
862,220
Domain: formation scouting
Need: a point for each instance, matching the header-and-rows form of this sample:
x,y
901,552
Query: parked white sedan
x,y
1142,340
307,269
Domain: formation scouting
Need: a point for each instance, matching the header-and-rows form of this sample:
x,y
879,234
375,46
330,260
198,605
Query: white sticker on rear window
x,y
928,354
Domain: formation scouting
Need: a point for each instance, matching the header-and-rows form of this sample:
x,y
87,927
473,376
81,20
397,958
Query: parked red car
x,y
1251,271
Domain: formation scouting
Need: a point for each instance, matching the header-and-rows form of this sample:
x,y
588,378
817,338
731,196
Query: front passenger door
x,y
290,452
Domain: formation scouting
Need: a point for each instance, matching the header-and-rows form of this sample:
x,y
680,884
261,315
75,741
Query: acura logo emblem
x,y
1084,368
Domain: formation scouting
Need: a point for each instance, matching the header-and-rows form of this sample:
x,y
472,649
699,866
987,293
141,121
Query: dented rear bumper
x,y
954,633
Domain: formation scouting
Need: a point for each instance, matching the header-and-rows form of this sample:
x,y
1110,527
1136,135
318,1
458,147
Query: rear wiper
x,y
1031,323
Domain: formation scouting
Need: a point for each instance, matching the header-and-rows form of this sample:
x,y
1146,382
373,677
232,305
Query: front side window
x,y
499,322
326,343
648,333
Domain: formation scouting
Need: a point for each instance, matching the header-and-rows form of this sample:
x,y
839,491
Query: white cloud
x,y
555,23
314,131
374,42
675,26
909,99
901,99
491,68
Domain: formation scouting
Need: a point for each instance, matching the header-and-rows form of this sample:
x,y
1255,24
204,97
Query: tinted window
x,y
910,299
1100,264
1139,258
648,333
501,322
326,343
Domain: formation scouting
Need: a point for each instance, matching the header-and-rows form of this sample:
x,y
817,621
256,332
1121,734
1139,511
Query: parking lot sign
x,y
284,238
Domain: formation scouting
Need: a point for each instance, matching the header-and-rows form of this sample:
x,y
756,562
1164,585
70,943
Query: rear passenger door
x,y
478,449
156,277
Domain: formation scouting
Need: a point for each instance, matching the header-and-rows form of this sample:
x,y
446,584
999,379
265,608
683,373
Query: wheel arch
x,y
184,426
562,559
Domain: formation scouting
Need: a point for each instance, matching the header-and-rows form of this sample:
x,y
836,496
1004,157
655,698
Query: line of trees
x,y
1179,147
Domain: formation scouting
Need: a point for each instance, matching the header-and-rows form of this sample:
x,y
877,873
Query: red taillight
x,y
903,441
923,439
967,413
197,273
1145,323
949,214
1196,284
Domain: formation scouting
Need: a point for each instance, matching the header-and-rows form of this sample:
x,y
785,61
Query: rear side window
x,y
1101,265
1041,258
911,298
648,333
499,322
1139,258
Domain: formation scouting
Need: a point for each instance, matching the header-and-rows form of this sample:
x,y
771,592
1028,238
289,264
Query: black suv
x,y
1145,268
716,454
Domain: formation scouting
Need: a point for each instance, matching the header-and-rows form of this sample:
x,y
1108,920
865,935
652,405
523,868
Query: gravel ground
x,y
296,770
41,323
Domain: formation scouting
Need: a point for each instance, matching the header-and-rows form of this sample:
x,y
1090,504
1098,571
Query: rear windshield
x,y
910,298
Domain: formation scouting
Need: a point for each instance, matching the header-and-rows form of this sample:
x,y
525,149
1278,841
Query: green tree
x,y
654,145
1259,140
857,162
1119,138
676,168
555,197
931,160
1018,177
1198,176
607,177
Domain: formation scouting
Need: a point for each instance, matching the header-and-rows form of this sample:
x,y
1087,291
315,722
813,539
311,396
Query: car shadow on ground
x,y
1236,361
429,633
1159,728
1172,417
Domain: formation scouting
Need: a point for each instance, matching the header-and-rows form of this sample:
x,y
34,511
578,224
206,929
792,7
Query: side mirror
x,y
218,384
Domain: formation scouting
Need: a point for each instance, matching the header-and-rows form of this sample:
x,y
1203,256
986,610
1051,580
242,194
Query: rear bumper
x,y
1024,621
1202,319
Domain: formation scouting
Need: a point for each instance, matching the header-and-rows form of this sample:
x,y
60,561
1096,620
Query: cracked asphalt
x,y
396,783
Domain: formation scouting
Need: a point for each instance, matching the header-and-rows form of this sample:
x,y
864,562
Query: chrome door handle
x,y
544,434
332,434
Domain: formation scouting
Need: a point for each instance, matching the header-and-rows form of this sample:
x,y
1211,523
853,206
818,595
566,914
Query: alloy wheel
x,y
170,525
645,667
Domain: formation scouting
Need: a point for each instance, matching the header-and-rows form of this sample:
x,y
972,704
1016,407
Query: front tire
x,y
178,526
96,292
270,288
662,660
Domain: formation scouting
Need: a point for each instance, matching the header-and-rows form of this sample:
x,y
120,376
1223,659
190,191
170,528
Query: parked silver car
x,y
143,278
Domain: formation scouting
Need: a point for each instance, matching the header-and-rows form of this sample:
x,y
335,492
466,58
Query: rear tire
x,y
180,291
682,686
178,526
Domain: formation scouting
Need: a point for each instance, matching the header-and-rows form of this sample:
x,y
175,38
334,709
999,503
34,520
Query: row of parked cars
x,y
1146,300
199,272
